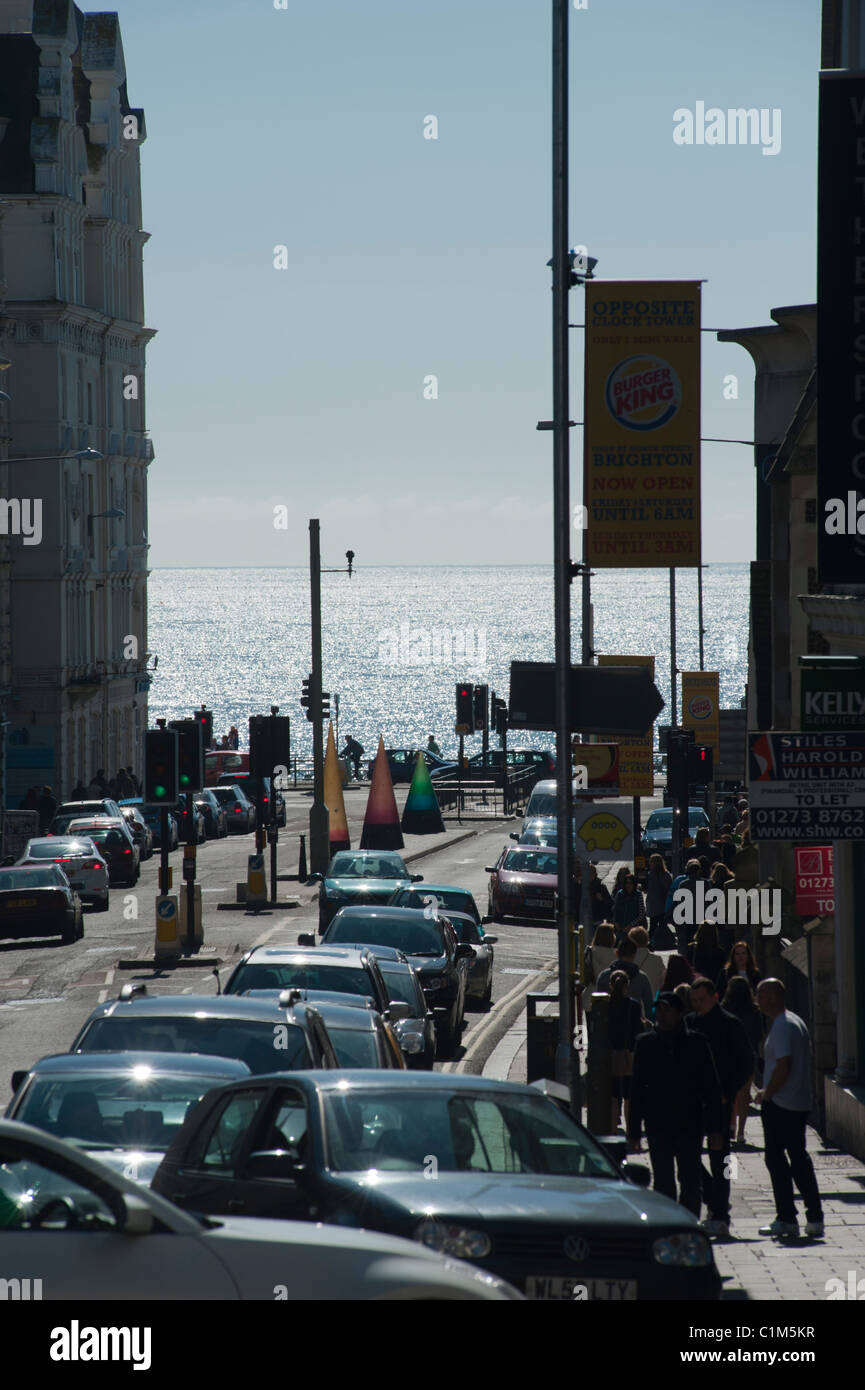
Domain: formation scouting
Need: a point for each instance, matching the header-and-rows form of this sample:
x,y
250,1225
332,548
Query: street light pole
x,y
319,823
567,1069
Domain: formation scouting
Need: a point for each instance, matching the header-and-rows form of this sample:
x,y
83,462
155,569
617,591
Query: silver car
x,y
80,861
480,982
416,1034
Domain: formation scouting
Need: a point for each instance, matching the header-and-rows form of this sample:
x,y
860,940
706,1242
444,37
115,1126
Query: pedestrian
x,y
353,751
741,963
682,903
683,992
727,846
658,882
46,806
675,1093
432,746
638,983
79,791
135,783
734,1064
30,802
729,816
703,846
704,952
719,878
125,789
98,788
625,1021
629,908
619,881
785,1103
678,971
599,893
653,966
599,955
739,999
233,737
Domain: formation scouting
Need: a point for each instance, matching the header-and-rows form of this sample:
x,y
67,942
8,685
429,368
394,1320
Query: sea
x,y
396,640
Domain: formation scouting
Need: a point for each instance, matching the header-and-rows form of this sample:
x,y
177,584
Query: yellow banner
x,y
641,440
636,764
700,703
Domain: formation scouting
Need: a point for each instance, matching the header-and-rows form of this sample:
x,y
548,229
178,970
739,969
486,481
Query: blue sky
x,y
408,257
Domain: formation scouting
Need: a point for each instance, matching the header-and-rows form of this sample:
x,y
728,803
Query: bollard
x,y
599,1067
542,1036
167,943
256,884
301,863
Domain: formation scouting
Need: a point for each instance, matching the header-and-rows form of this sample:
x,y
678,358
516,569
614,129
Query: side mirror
x,y
489,869
137,1218
314,878
417,878
490,940
274,1163
398,1009
306,938
18,1079
514,835
637,1173
464,949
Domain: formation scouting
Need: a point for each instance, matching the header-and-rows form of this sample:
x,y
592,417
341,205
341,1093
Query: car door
x,y
281,1125
203,1178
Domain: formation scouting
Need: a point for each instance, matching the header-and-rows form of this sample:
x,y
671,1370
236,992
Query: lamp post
x,y
319,822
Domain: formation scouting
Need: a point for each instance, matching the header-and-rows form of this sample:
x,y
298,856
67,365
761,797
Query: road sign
x,y
601,775
611,700
604,832
700,707
636,764
815,881
167,943
807,786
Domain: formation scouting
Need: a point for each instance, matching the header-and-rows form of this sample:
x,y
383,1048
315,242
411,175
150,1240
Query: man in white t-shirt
x,y
785,1103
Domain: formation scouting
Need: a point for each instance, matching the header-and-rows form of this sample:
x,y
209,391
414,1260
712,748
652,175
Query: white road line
x,y
103,995
492,1019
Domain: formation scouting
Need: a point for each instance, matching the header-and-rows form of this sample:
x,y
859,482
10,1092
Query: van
x,y
542,802
220,760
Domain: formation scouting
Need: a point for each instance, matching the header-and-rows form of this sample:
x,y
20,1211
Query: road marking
x,y
492,1019
102,996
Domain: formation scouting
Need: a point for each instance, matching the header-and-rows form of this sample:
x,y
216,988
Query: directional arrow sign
x,y
621,700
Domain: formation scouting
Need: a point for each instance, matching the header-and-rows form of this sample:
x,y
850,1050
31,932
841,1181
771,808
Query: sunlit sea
x,y
396,640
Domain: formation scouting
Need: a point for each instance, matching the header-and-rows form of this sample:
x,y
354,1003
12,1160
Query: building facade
x,y
75,450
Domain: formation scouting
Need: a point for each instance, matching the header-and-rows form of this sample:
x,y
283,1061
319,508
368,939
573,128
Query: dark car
x,y
138,829
402,762
352,970
479,988
360,876
443,894
180,810
360,1036
658,832
429,943
214,814
260,1032
114,841
416,1033
239,812
250,787
523,883
152,813
38,901
122,1107
520,1188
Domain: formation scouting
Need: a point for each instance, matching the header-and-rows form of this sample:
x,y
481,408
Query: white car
x,y
75,1229
79,859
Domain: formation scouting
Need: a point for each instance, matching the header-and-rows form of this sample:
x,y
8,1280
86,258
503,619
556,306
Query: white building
x,y
72,325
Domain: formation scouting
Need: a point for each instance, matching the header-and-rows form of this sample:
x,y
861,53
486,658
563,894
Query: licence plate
x,y
537,902
21,902
571,1290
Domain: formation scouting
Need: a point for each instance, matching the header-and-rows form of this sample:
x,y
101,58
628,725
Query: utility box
x,y
542,1034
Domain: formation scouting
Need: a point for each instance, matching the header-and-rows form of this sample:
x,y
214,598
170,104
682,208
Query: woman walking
x,y
625,1024
658,881
740,964
739,1000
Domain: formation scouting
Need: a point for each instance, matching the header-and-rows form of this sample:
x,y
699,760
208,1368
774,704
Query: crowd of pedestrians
x,y
122,787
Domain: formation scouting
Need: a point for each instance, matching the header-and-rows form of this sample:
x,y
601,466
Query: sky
x,y
303,388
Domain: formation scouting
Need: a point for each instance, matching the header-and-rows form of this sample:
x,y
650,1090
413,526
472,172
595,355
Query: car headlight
x,y
688,1249
411,1043
458,1241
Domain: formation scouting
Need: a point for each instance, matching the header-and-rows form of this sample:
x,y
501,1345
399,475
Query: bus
x,y
220,760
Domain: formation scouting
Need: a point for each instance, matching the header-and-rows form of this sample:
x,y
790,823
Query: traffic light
x,y
306,699
160,766
700,766
481,713
204,717
499,715
190,754
465,709
325,704
269,743
677,766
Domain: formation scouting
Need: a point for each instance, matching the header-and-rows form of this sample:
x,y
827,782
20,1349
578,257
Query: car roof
x,y
224,1006
381,953
344,1016
385,911
55,840
97,822
309,955
369,1079
368,854
166,1063
419,888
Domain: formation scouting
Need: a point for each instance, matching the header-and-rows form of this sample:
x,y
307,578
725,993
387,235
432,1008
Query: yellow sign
x,y
700,701
641,441
636,764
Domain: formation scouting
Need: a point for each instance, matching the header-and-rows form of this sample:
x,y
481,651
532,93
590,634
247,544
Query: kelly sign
x,y
815,881
833,698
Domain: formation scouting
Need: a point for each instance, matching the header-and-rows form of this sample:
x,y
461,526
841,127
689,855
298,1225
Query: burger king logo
x,y
700,707
643,393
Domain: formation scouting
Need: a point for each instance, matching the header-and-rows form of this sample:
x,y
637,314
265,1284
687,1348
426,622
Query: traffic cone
x,y
421,814
333,798
381,822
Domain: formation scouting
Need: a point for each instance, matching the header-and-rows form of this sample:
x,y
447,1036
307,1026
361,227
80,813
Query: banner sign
x,y
641,437
807,786
700,708
840,341
600,762
636,765
832,698
815,881
604,833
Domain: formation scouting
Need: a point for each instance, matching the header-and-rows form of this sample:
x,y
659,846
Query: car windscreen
x,y
340,979
354,1047
417,937
138,1108
459,899
58,849
542,804
396,1131
402,986
378,866
526,861
262,1046
659,820
226,794
27,878
112,839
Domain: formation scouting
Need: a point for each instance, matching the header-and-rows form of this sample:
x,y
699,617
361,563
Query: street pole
x,y
567,1066
673,720
700,569
319,825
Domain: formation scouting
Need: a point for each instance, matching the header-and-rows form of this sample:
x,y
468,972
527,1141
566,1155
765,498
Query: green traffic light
x,y
184,780
159,793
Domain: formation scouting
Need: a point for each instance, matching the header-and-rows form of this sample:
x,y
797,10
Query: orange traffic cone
x,y
381,822
333,798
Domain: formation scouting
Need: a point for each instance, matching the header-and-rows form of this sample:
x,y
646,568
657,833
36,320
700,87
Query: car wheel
x,y
102,904
445,1040
487,997
68,935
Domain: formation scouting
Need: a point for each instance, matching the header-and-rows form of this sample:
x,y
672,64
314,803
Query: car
x,y
523,883
123,1107
138,829
532,763
239,812
429,943
152,813
258,1032
344,971
80,861
68,811
445,895
359,876
115,843
416,1033
214,813
36,900
250,787
543,803
101,1237
180,810
402,763
220,760
479,988
520,1188
360,1037
658,832
540,830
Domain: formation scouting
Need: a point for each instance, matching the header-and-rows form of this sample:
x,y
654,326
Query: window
x,y
34,1197
285,1123
225,1139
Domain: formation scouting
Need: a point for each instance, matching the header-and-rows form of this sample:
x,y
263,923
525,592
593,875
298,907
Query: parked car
x,y
102,1237
80,861
123,1107
180,810
479,988
444,895
115,843
68,811
220,760
36,900
361,1037
416,1034
138,829
402,762
486,766
343,971
430,944
152,813
239,812
250,787
359,876
658,832
214,813
523,883
521,1189
260,1032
